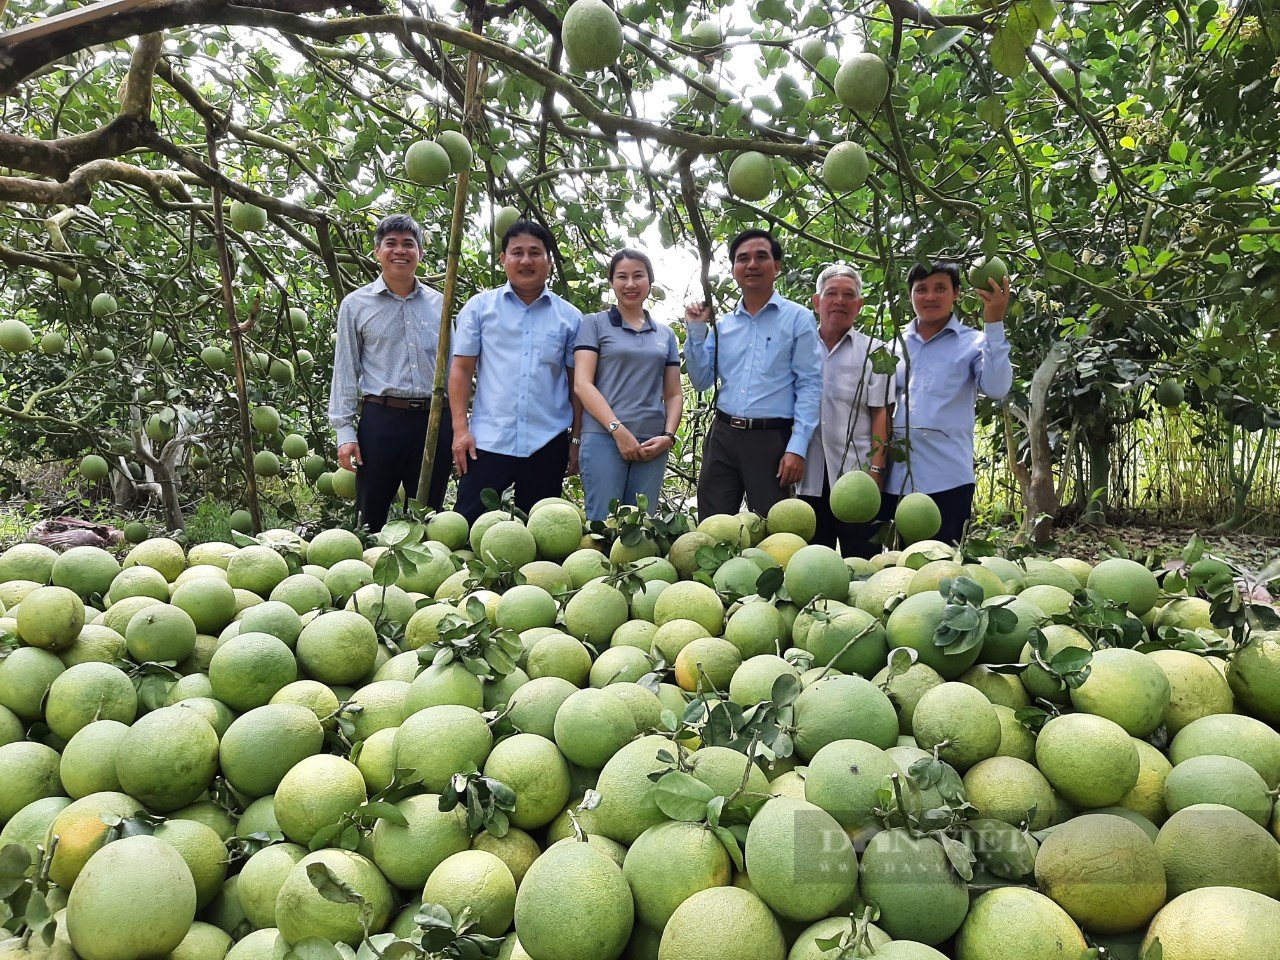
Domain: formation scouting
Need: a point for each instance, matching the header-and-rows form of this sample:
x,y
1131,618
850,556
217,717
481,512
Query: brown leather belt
x,y
758,423
399,403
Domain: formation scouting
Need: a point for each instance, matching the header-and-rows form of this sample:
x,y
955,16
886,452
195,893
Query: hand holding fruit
x,y
995,300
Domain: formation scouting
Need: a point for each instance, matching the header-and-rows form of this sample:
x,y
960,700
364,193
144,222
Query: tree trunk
x,y
1098,439
1040,495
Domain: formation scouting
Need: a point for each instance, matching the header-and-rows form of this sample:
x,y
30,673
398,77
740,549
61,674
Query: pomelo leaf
x,y
330,887
1008,53
1046,12
682,797
942,40
382,810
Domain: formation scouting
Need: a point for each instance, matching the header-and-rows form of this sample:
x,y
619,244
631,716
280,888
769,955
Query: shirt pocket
x,y
551,346
776,361
380,329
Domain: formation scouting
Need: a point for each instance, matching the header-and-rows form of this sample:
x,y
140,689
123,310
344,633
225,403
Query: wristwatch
x,y
671,436
614,426
874,469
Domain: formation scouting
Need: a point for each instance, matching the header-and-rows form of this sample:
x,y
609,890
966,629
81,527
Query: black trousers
x,y
854,538
391,446
537,476
737,462
955,505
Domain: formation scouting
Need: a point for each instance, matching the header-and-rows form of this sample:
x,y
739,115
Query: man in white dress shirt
x,y
853,424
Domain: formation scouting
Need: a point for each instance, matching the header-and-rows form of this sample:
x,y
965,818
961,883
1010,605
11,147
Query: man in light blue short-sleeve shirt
x,y
516,343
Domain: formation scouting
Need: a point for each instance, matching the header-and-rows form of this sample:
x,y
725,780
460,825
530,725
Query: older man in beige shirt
x,y
853,423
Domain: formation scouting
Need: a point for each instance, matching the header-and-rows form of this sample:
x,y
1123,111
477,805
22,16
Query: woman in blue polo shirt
x,y
627,375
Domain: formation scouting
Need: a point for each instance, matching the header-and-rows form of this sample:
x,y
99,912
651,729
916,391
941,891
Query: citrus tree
x,y
215,169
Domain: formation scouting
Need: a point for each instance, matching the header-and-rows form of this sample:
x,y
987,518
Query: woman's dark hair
x,y
529,228
626,253
922,270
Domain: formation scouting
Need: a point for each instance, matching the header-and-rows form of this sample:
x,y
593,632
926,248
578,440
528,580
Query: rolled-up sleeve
x,y
807,365
466,333
570,342
993,370
700,353
346,377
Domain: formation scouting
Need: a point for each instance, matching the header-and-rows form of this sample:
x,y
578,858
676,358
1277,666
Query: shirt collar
x,y
380,286
507,289
954,325
774,301
615,318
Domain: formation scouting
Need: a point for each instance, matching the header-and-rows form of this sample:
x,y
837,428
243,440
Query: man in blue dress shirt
x,y
767,361
516,342
383,371
947,364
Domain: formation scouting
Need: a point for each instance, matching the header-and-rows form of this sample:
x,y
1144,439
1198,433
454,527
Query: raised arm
x,y
700,346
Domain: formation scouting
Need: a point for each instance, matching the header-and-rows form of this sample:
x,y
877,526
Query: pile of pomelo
x,y
525,740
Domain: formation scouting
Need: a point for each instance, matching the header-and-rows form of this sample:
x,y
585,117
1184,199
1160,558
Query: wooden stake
x,y
470,110
233,326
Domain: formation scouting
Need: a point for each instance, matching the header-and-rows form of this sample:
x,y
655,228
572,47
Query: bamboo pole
x,y
233,327
470,107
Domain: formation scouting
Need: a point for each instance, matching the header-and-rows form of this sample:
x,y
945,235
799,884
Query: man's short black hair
x,y
529,228
397,223
922,270
755,234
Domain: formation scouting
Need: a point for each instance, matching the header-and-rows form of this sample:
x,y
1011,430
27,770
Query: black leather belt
x,y
755,423
399,403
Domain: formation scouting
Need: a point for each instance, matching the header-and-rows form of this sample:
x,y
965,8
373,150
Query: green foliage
x,y
1117,160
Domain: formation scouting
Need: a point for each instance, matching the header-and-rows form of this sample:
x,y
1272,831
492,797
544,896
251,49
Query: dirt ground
x,y
1250,551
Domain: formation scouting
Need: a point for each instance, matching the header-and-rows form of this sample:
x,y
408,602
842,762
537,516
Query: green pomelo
x,y
592,35
1089,760
843,708
536,770
436,743
704,924
846,168
1010,790
862,82
913,624
1218,780
134,899
799,859
911,881
1014,923
1104,871
476,881
168,758
844,779
556,926
261,878
264,744
303,911
315,793
1126,582
427,163
1127,687
751,176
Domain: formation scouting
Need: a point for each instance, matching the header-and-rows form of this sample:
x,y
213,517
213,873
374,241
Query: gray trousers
x,y
735,462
